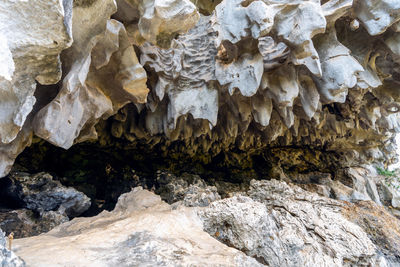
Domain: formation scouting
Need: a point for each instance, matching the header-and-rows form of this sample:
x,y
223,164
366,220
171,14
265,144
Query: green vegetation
x,y
392,178
385,172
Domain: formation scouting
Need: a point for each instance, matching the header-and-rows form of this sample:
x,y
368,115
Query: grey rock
x,y
188,190
390,193
30,53
40,193
141,231
375,16
283,225
343,192
322,190
351,184
33,46
273,224
157,22
24,222
364,182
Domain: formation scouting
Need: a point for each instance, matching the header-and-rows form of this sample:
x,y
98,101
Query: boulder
x,y
272,224
141,230
41,193
283,225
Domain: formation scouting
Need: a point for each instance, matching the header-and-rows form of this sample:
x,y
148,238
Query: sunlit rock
x,y
159,21
29,53
378,15
249,75
141,229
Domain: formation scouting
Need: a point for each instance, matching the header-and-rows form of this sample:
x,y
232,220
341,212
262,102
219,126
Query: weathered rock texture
x,y
141,231
188,190
272,224
286,226
40,203
251,75
24,222
41,193
283,225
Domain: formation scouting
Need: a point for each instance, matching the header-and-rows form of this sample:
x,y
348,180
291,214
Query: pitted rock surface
x,y
272,224
249,76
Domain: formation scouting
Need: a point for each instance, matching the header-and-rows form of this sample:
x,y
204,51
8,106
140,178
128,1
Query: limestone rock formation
x,y
289,227
30,53
142,230
248,75
89,92
290,83
157,21
31,49
274,223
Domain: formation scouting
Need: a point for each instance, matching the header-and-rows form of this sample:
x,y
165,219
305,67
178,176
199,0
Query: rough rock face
x,y
40,203
24,222
272,224
7,257
302,228
291,82
263,77
30,48
101,72
188,190
286,226
41,193
142,230
251,75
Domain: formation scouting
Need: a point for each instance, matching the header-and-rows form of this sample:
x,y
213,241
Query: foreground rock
x,y
141,231
283,225
7,257
272,224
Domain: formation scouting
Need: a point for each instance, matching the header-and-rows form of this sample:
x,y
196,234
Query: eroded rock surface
x,y
271,224
41,193
250,75
296,83
142,230
188,190
30,53
35,204
286,226
283,225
